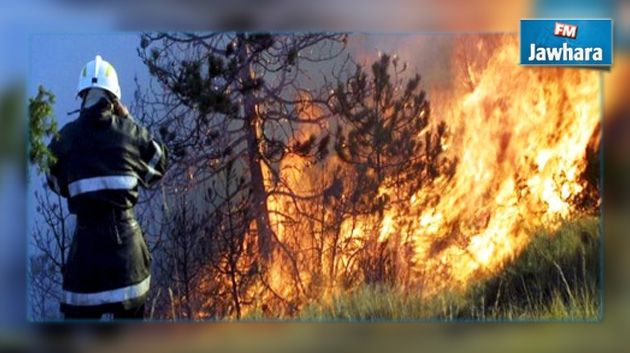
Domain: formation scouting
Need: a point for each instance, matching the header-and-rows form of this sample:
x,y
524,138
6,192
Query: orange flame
x,y
521,136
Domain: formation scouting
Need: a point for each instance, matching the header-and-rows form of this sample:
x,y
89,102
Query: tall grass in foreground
x,y
555,278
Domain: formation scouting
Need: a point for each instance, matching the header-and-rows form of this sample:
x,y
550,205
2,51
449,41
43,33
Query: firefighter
x,y
102,158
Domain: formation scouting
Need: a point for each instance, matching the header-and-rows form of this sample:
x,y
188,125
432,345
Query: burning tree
x,y
233,253
393,149
234,103
385,134
235,95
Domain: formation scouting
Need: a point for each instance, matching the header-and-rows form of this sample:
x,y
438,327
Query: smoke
x,y
427,54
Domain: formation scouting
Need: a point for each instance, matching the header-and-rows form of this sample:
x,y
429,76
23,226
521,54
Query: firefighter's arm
x,y
54,177
154,158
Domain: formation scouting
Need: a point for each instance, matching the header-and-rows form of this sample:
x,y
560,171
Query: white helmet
x,y
99,73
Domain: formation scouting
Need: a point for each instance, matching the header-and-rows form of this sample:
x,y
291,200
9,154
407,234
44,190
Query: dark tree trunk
x,y
259,193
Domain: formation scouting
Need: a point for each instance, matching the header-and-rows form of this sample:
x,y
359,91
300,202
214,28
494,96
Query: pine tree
x,y
386,134
236,98
42,125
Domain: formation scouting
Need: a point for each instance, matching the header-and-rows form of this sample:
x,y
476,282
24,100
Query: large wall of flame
x,y
519,135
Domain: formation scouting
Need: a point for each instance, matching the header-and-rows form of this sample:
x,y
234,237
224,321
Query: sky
x,y
57,59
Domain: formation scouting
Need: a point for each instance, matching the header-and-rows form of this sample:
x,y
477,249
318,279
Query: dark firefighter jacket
x,y
101,160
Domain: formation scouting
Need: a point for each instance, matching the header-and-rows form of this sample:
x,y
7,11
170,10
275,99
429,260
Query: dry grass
x,y
556,278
